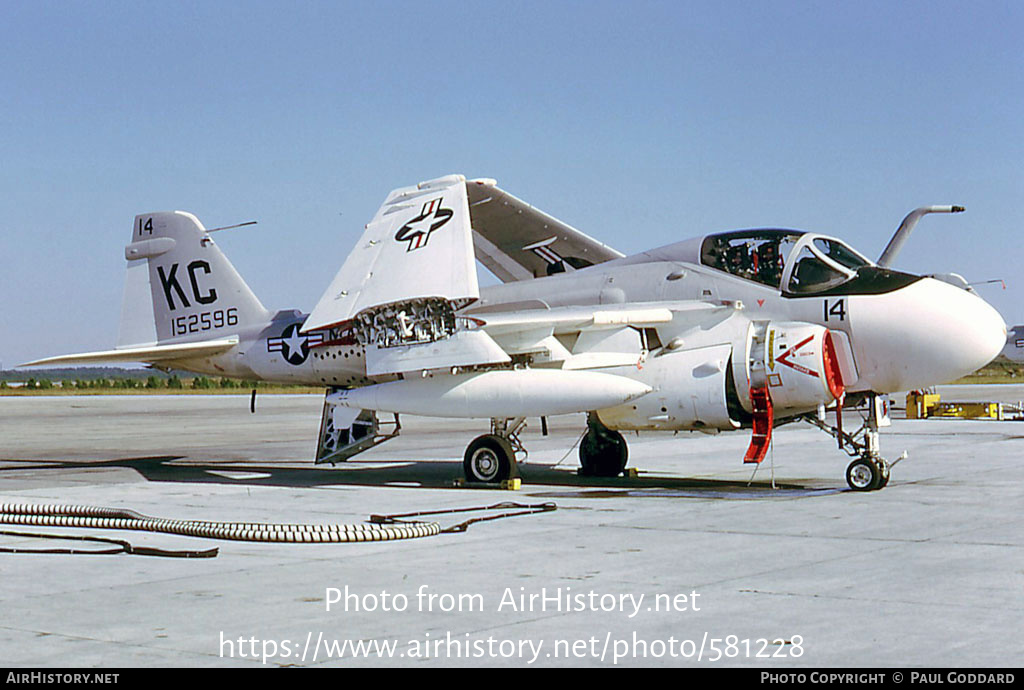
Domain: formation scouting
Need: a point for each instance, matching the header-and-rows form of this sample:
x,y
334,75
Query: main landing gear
x,y
603,452
869,471
491,458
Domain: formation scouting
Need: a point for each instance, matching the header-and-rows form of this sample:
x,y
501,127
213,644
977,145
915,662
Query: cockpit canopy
x,y
798,263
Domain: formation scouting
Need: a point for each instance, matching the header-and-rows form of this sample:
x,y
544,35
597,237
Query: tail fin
x,y
179,286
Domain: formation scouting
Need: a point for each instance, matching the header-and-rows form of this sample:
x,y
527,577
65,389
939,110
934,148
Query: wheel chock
x,y
513,484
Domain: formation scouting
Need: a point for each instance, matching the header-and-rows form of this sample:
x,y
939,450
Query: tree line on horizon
x,y
173,382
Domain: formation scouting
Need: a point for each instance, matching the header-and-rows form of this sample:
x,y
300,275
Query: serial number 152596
x,y
206,321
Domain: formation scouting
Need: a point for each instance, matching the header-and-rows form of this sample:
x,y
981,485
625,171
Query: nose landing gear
x,y
869,471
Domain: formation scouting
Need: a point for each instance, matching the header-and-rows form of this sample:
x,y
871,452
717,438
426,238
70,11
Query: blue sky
x,y
640,123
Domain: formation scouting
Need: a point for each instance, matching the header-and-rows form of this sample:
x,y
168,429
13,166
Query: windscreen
x,y
811,274
817,266
839,252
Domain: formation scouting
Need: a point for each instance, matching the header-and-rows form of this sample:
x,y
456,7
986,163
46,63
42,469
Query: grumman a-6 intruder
x,y
735,330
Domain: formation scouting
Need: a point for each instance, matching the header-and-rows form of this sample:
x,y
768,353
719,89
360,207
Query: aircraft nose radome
x,y
968,331
982,331
928,333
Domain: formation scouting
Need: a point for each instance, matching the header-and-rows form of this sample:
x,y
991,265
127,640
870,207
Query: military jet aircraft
x,y
1014,348
734,330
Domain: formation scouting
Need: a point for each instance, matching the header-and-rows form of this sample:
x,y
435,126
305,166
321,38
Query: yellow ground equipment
x,y
924,405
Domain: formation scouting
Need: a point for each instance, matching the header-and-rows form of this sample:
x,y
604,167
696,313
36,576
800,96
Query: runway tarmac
x,y
685,565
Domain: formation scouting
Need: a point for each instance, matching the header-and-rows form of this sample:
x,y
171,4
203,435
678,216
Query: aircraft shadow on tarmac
x,y
433,474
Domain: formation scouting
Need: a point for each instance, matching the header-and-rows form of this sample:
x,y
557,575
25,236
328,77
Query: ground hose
x,y
382,527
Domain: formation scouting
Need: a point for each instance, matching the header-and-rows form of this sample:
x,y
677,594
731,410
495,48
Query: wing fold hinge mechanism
x,y
410,322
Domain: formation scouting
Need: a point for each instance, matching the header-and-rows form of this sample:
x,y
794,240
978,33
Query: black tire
x,y
883,479
488,460
603,453
864,475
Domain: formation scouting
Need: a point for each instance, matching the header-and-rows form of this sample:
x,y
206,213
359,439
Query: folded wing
x,y
417,247
399,290
516,241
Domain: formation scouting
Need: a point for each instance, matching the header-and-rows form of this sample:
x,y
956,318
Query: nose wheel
x,y
867,474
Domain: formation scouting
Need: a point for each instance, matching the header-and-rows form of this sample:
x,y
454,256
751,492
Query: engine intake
x,y
797,363
706,386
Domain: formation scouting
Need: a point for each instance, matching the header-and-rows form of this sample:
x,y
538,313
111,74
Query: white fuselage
x,y
921,334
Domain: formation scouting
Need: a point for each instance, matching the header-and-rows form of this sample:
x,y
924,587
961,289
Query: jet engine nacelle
x,y
690,391
706,385
796,361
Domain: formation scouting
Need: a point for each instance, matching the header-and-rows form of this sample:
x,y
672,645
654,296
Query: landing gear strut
x,y
491,458
603,452
869,471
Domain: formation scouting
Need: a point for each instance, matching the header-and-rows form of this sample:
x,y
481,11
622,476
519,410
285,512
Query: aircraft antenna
x,y
228,227
989,282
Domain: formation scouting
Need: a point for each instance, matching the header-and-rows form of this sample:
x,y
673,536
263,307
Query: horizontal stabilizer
x,y
418,245
155,353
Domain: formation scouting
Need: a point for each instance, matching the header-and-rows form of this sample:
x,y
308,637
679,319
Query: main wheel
x,y
603,453
488,459
865,475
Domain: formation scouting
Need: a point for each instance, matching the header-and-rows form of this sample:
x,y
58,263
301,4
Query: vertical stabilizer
x,y
179,286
